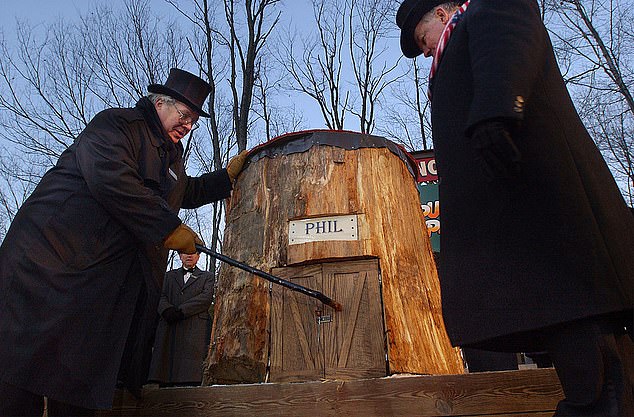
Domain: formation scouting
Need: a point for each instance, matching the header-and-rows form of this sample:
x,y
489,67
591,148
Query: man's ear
x,y
442,15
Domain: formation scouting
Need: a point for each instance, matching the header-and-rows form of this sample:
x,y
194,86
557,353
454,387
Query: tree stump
x,y
321,179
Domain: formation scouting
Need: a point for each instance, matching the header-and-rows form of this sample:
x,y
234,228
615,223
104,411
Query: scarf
x,y
442,42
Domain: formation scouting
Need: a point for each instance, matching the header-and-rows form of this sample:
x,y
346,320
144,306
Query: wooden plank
x,y
300,334
296,351
355,341
534,414
533,392
349,328
276,347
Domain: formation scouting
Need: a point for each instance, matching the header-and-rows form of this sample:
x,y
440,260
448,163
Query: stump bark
x,y
311,180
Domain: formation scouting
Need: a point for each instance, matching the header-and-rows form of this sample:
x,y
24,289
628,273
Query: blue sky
x,y
40,12
296,12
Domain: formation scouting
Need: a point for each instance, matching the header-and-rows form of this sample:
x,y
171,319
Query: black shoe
x,y
617,393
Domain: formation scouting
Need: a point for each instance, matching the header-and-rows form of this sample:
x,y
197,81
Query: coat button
x,y
518,106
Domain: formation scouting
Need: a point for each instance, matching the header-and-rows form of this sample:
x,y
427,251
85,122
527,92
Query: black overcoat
x,y
552,245
180,348
84,247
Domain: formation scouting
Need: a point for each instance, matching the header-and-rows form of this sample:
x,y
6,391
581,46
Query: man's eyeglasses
x,y
186,120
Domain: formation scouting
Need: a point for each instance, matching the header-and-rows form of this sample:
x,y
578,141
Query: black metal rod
x,y
272,278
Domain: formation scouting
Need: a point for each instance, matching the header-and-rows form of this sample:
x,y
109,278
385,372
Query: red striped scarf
x,y
444,38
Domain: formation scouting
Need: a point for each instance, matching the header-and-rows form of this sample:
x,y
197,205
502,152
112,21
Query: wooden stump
x,y
320,181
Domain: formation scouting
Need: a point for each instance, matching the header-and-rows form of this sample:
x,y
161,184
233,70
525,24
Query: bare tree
x,y
55,79
226,44
244,51
277,118
318,71
18,178
39,115
407,119
372,72
593,41
125,58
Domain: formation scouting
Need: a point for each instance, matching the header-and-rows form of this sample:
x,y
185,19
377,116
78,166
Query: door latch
x,y
324,319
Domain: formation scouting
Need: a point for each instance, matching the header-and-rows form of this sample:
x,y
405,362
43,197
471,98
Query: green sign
x,y
431,209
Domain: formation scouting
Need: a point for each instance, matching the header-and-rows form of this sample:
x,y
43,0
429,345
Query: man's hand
x,y
495,150
235,165
182,239
172,315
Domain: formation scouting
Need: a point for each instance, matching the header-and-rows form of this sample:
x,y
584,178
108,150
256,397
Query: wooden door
x,y
355,346
295,349
310,341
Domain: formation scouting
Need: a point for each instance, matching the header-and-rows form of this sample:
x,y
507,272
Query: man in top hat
x,y
537,244
82,263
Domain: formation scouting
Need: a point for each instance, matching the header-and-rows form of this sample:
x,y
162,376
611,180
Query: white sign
x,y
323,229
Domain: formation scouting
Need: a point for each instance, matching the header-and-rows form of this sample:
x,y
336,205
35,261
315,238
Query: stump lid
x,y
302,141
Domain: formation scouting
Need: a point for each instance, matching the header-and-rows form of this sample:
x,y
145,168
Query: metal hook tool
x,y
272,278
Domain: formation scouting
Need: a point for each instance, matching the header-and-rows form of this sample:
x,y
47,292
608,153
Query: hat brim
x,y
409,47
161,89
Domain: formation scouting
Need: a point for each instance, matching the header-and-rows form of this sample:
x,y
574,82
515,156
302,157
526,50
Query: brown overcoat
x,y
84,248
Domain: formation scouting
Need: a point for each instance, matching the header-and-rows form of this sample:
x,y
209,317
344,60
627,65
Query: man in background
x,y
183,332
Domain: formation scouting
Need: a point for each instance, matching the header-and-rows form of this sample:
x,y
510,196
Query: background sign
x,y
428,192
426,167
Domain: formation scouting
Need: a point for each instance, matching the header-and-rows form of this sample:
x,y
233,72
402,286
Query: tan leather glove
x,y
182,239
235,165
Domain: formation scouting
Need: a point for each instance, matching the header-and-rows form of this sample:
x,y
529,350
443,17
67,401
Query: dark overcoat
x,y
84,247
555,243
180,348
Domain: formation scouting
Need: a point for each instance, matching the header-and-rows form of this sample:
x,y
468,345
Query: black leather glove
x,y
496,152
172,315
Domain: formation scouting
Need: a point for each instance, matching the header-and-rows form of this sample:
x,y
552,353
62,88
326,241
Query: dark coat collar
x,y
159,136
196,270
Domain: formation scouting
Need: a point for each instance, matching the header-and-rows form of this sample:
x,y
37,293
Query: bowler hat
x,y
409,14
184,87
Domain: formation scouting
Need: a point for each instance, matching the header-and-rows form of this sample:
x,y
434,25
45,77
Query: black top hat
x,y
184,87
409,14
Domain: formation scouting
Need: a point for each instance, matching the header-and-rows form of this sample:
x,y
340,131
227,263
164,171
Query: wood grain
x,y
533,393
349,343
375,185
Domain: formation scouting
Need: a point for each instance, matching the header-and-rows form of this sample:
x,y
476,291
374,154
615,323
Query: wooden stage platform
x,y
530,392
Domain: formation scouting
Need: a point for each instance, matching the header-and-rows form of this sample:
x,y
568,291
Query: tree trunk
x,y
319,177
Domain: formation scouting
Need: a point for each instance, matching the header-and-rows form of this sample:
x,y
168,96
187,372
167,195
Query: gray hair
x,y
449,7
154,97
